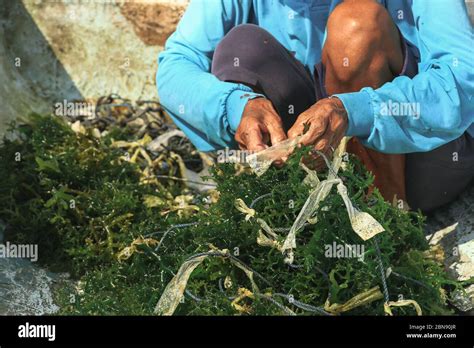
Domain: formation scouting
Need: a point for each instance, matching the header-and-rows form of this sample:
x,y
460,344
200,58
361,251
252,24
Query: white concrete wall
x,y
51,50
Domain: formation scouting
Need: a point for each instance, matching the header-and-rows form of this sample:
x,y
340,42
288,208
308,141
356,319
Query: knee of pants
x,y
242,48
252,56
417,201
434,179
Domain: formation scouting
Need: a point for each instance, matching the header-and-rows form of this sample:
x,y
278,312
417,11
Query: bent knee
x,y
353,16
242,37
246,47
361,34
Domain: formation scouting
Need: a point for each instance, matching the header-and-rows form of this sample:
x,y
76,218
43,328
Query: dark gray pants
x,y
432,178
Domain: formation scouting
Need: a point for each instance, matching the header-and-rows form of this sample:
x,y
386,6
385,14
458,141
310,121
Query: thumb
x,y
296,130
255,140
277,134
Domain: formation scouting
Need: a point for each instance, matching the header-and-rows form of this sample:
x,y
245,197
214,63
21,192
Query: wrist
x,y
257,101
360,112
339,107
255,106
237,103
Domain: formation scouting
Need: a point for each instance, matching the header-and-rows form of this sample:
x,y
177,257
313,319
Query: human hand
x,y
260,126
326,123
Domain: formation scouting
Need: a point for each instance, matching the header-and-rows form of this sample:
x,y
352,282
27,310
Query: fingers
x,y
325,123
331,138
324,142
315,131
297,128
275,129
260,126
253,139
273,124
277,134
317,123
321,134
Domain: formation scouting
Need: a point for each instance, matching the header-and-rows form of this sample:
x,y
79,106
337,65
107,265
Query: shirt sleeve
x,y
206,109
436,106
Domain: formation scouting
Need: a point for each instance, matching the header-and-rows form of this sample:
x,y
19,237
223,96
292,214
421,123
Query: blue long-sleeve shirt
x,y
209,110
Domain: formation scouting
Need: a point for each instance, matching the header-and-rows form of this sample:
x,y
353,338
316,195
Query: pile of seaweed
x,y
126,231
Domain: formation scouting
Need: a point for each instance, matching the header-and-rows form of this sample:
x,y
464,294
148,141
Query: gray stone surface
x,y
452,228
26,289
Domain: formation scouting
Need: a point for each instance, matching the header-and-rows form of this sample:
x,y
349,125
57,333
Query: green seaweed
x,y
74,196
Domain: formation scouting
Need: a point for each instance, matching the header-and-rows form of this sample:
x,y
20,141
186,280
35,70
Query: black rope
x,y
259,198
411,279
302,305
276,303
382,270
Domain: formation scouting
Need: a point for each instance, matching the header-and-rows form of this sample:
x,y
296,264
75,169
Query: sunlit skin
x,y
362,49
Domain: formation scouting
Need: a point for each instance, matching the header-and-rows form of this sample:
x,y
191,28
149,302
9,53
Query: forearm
x,y
208,110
